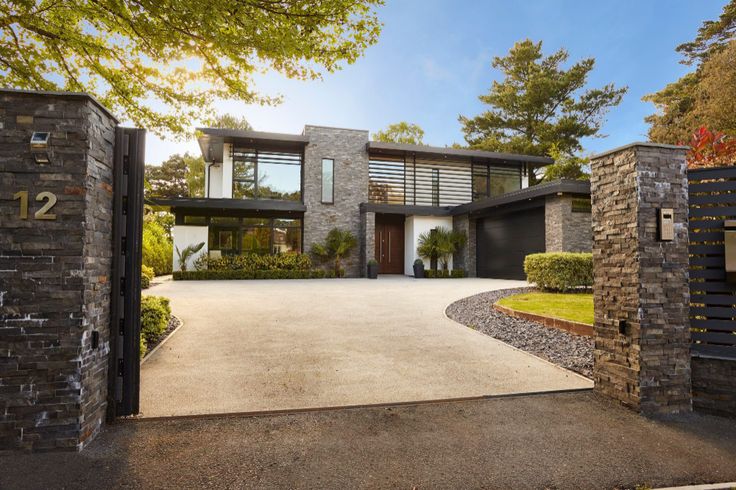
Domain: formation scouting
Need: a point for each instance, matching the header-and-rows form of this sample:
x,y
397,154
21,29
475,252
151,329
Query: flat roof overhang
x,y
398,149
253,206
405,209
522,197
211,141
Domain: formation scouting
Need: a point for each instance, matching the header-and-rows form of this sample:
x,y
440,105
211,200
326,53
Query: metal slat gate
x,y
124,372
712,201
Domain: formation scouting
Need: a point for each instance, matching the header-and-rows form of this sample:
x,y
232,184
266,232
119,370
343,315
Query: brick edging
x,y
570,326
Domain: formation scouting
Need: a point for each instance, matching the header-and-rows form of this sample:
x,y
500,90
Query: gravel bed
x,y
574,352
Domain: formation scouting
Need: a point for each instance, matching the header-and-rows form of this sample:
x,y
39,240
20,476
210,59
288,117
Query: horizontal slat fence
x,y
712,200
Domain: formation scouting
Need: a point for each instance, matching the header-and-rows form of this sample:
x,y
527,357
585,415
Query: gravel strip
x,y
574,352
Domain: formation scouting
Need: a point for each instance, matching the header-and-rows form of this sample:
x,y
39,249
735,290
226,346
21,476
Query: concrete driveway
x,y
279,345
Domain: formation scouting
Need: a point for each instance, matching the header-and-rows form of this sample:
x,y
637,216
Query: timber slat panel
x,y
712,198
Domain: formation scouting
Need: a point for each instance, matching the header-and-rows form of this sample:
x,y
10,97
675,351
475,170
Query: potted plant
x,y
372,269
438,245
419,269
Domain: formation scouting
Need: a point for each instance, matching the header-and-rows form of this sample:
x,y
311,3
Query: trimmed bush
x,y
243,274
157,249
559,271
147,275
155,316
143,347
256,262
444,274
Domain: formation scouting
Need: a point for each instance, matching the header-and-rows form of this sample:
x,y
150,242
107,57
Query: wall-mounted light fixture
x,y
40,147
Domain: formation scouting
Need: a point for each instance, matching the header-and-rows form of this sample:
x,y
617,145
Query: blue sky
x,y
433,60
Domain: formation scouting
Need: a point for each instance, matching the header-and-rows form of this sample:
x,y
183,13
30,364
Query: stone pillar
x,y
55,269
567,229
641,295
465,258
367,240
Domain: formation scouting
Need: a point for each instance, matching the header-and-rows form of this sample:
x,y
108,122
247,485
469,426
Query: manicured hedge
x,y
155,316
256,262
559,271
444,274
242,274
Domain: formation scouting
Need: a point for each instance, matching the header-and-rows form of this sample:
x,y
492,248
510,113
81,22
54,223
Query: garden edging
x,y
570,326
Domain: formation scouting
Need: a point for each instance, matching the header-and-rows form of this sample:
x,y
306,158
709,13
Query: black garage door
x,y
504,241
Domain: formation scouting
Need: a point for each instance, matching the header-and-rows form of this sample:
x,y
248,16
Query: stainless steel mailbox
x,y
666,222
729,227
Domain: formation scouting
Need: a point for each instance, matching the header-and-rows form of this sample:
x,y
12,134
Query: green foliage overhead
x,y
559,271
439,244
229,121
177,176
161,64
566,166
337,245
713,36
401,132
539,103
705,97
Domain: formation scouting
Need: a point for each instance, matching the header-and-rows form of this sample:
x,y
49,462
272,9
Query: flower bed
x,y
206,275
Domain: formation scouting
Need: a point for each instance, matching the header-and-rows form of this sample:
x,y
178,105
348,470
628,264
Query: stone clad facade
x,y
54,273
641,294
347,148
567,224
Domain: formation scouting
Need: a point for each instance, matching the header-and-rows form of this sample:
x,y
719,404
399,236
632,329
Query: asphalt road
x,y
561,441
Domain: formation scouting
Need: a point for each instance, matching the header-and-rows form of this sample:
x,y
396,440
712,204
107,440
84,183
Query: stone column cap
x,y
60,94
645,144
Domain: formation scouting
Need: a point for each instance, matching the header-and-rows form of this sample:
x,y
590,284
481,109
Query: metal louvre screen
x,y
419,181
712,201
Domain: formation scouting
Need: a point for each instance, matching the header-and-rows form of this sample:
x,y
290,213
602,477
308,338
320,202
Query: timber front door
x,y
390,243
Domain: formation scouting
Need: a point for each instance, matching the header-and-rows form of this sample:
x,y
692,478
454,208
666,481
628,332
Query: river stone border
x,y
570,351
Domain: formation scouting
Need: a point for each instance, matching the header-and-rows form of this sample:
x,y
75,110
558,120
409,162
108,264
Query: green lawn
x,y
576,306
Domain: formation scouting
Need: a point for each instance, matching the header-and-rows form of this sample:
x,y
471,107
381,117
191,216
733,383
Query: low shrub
x,y
444,274
143,347
147,275
244,274
559,271
256,262
155,316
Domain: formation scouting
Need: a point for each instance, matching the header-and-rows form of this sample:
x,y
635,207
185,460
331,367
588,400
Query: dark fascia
x,y
398,148
211,140
578,187
61,95
229,204
405,209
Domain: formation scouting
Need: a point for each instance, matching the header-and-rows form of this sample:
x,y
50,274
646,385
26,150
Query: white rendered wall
x,y
184,236
227,171
415,226
214,182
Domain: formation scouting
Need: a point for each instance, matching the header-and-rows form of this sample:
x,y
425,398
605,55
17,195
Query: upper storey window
x,y
259,174
494,180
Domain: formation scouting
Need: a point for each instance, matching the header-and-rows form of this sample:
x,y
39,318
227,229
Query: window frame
x,y
256,175
322,182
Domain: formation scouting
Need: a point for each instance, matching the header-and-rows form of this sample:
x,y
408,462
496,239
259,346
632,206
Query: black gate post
x,y
124,372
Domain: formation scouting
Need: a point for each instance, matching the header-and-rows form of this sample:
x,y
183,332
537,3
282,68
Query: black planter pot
x,y
419,271
372,271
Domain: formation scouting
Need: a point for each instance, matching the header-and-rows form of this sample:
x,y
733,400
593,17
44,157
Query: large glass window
x,y
255,235
328,180
261,174
494,180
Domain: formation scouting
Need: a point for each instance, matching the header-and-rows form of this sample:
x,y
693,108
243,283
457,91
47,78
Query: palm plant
x,y
337,245
439,244
187,253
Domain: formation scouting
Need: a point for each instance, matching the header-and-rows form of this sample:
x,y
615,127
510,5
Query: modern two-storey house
x,y
272,193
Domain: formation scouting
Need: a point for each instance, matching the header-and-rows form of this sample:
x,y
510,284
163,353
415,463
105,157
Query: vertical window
x,y
435,187
328,180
